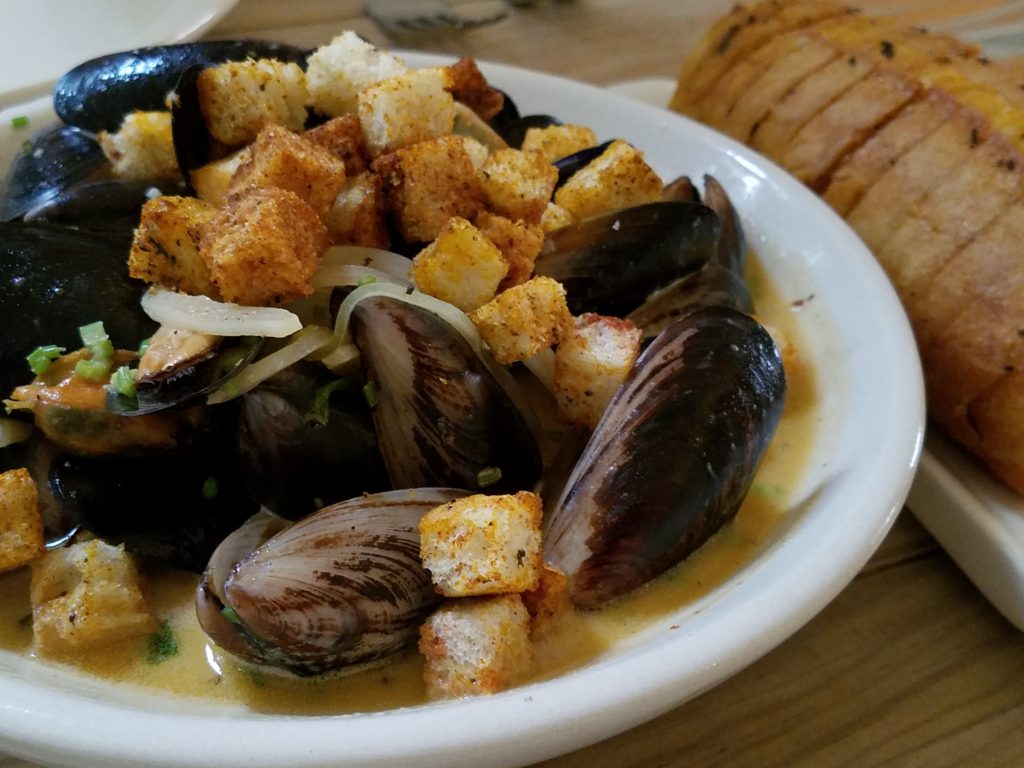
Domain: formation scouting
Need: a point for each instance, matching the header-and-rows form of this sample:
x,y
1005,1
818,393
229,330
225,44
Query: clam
x,y
673,456
342,586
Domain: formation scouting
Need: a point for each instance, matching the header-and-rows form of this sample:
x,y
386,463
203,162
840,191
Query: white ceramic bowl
x,y
871,426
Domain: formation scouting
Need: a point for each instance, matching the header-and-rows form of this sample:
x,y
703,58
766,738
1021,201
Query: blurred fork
x,y
411,16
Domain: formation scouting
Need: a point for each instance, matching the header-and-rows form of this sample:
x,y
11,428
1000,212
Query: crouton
x,y
21,524
338,71
470,87
263,247
461,266
165,248
427,184
343,138
476,646
483,545
213,180
142,149
518,242
524,319
356,217
555,217
591,362
477,152
618,178
240,98
558,141
280,158
518,184
86,595
548,602
406,109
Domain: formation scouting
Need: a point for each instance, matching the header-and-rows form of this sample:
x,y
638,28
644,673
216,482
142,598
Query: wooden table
x,y
909,666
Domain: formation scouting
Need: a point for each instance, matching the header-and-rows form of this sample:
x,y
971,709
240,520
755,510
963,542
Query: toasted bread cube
x,y
263,247
280,158
476,646
86,595
212,181
618,178
427,184
519,243
338,71
240,98
21,523
165,248
477,152
406,109
524,319
558,141
343,138
470,87
142,149
461,266
483,545
591,363
555,217
518,184
356,217
548,602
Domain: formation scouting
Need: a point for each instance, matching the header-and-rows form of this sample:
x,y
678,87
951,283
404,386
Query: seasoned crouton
x,y
239,98
618,178
356,217
591,362
524,319
86,595
461,266
518,184
555,217
338,71
21,524
558,141
343,138
406,109
263,247
518,242
165,248
470,87
280,158
427,184
548,602
142,149
213,180
476,646
483,545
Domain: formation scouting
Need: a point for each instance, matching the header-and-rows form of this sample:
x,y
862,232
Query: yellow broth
x,y
197,669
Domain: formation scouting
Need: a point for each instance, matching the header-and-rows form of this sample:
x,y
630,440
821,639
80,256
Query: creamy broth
x,y
197,669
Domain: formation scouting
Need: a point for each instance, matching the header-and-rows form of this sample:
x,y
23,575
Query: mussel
x,y
342,586
108,205
673,456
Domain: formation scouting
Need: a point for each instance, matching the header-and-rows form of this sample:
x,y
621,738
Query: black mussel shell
x,y
514,131
681,190
55,280
306,440
509,111
673,457
53,161
194,147
569,164
610,264
171,508
732,243
442,417
110,205
96,95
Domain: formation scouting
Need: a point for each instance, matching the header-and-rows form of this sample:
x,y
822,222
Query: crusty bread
x,y
918,142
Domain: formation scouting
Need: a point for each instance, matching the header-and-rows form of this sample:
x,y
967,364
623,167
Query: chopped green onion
x,y
230,614
161,645
366,280
102,350
488,476
93,333
211,488
143,346
41,358
768,491
370,393
319,411
93,370
19,122
123,381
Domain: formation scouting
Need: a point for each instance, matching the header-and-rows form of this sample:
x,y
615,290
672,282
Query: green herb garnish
x,y
161,645
93,333
319,411
229,613
366,280
768,491
122,381
370,393
211,488
93,370
488,476
143,346
19,122
41,358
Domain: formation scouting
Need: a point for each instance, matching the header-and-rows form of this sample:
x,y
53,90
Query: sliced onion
x,y
305,342
393,264
13,431
542,366
219,318
332,275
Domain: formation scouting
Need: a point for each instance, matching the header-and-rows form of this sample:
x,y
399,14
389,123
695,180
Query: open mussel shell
x,y
672,458
513,130
710,286
646,248
109,205
305,444
731,253
97,94
569,164
442,416
342,586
